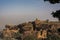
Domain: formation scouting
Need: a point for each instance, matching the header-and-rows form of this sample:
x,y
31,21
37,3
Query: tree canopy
x,y
53,1
56,14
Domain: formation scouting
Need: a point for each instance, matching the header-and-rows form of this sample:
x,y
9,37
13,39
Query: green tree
x,y
56,14
53,1
52,37
17,36
30,37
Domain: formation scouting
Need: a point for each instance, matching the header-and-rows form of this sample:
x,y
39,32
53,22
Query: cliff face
x,y
37,28
9,33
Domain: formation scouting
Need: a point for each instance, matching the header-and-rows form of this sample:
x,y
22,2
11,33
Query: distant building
x,y
37,21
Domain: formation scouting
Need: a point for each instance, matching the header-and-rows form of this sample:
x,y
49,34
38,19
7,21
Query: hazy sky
x,y
18,11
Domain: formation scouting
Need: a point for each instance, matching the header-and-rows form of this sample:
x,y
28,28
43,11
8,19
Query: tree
x,y
20,26
1,35
56,14
34,25
30,37
17,36
53,1
58,29
52,37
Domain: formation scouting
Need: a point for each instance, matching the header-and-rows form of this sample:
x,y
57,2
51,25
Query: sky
x,y
19,11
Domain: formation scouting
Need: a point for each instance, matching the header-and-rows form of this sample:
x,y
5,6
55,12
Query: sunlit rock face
x,y
28,27
9,31
42,34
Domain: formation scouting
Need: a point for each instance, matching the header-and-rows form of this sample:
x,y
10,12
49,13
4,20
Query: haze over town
x,y
18,11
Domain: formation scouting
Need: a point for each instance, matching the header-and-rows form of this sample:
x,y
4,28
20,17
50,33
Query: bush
x,y
30,37
53,37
